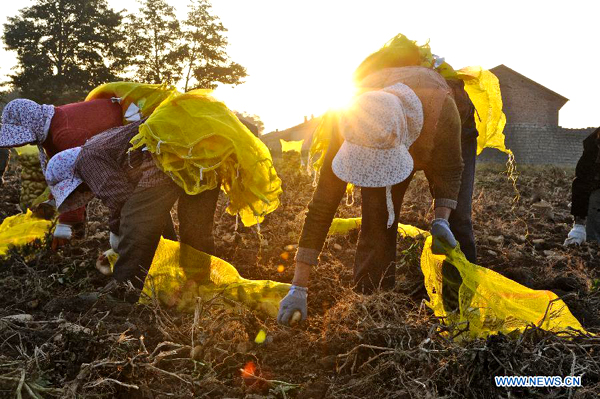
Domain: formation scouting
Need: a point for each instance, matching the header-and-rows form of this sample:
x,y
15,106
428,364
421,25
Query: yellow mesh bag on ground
x,y
483,89
22,229
291,145
179,274
146,96
28,150
344,226
489,303
199,142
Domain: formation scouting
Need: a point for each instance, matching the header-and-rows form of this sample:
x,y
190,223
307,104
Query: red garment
x,y
71,126
72,217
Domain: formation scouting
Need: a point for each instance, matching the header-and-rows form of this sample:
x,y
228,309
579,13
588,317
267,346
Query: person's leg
x,y
169,231
196,219
142,223
460,219
374,264
592,224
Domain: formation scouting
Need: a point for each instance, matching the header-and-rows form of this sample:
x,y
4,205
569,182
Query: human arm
x,y
321,210
326,199
444,173
106,178
445,166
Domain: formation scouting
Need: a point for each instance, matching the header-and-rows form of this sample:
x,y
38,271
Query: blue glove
x,y
294,301
440,230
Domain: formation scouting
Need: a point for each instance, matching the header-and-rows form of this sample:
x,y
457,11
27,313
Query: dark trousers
x,y
374,265
460,219
145,216
592,224
375,261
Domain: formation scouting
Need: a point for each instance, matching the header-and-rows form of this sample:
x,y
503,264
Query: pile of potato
x,y
33,183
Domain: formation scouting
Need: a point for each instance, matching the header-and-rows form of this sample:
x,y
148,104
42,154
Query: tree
x,y
252,119
206,59
154,43
64,48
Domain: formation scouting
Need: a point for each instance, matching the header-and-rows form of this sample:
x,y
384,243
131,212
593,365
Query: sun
x,y
340,94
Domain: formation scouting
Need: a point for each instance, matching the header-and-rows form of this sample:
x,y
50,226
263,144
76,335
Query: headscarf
x,y
378,130
26,122
62,180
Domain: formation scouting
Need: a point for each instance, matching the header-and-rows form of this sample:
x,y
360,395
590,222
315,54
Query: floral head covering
x,y
378,129
26,122
62,180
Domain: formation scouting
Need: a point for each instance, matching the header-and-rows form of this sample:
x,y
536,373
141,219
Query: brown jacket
x,y
437,151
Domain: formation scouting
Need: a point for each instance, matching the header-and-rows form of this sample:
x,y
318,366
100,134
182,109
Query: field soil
x,y
60,338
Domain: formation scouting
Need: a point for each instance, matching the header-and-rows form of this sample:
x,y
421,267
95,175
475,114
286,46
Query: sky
x,y
300,55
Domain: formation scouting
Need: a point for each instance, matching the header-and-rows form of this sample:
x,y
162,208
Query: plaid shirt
x,y
112,173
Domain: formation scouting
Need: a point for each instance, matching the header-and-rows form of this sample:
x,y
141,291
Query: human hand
x,y
577,235
62,236
294,301
114,241
440,230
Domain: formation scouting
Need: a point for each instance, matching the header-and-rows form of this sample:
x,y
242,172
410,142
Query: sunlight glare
x,y
340,94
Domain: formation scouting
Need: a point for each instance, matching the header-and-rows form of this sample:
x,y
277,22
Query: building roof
x,y
504,67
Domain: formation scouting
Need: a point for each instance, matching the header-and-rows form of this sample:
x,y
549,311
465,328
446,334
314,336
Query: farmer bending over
x,y
585,200
55,129
407,121
139,196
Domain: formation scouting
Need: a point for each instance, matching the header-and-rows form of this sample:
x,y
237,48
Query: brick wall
x,y
540,145
525,101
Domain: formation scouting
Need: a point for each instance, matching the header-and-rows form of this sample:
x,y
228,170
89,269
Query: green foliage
x,y
206,60
153,41
64,48
253,119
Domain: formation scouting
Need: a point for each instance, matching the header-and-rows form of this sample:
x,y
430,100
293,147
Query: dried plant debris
x,y
59,337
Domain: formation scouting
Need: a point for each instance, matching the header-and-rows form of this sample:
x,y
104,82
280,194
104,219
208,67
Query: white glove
x,y
576,235
63,231
114,241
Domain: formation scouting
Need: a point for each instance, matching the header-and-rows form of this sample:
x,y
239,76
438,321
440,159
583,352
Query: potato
x,y
296,318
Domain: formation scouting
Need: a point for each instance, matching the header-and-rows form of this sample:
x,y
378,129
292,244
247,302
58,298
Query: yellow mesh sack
x,y
28,149
146,96
199,142
344,226
22,229
291,145
483,89
489,303
179,274
321,139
